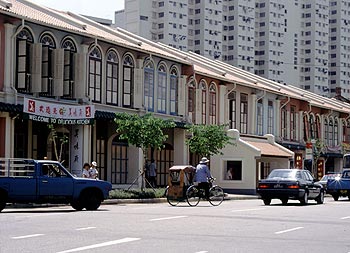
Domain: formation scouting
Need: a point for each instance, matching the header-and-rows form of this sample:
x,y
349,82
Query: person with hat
x,y
93,170
202,175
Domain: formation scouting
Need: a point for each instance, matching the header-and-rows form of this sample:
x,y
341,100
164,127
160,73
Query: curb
x,y
228,197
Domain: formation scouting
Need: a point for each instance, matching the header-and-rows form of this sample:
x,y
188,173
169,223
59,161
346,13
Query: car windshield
x,y
281,174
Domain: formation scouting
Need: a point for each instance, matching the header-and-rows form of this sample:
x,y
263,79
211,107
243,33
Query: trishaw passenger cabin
x,y
180,178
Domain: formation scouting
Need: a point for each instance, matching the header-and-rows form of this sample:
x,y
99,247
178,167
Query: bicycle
x,y
194,194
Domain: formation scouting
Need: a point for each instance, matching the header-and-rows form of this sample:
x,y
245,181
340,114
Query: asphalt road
x,y
235,226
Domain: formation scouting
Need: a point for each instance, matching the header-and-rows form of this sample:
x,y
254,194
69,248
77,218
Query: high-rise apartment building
x,y
305,43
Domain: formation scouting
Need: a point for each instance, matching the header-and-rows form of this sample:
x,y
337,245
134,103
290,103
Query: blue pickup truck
x,y
45,181
339,186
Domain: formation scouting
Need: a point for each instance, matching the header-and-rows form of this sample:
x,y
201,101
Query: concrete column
x,y
9,62
135,157
252,121
222,110
277,121
180,148
9,136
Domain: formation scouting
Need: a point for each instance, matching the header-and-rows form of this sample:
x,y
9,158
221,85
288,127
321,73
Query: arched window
x,y
95,74
203,87
162,88
192,100
212,103
318,127
24,40
174,83
336,137
112,78
330,132
326,131
232,109
347,136
128,81
311,126
47,65
68,73
149,85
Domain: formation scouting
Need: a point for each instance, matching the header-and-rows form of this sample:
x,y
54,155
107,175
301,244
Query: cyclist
x,y
202,175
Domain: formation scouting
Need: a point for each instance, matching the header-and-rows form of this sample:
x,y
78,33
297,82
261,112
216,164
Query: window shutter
x,y
58,61
36,55
181,89
138,86
79,71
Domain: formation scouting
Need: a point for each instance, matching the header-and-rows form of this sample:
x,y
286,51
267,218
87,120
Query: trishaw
x,y
180,178
181,187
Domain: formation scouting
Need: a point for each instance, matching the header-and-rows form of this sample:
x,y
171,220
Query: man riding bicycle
x,y
202,175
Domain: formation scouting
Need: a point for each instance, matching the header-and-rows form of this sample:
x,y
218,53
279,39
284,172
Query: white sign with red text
x,y
58,113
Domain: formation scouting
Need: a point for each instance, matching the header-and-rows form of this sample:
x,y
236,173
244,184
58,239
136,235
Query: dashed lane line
x,y
288,230
86,228
100,245
169,218
247,210
26,236
345,218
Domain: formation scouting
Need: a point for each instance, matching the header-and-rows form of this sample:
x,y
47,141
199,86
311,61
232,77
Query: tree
x,y
207,140
57,141
142,131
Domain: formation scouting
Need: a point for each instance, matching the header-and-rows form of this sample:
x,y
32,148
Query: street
x,y
235,226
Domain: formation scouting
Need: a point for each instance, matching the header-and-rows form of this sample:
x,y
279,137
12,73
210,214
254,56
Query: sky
x,y
96,8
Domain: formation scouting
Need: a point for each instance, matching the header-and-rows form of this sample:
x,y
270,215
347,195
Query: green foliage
x,y
57,141
207,140
137,193
142,131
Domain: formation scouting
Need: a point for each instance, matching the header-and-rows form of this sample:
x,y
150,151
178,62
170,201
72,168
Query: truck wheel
x,y
76,204
91,200
2,200
335,197
2,204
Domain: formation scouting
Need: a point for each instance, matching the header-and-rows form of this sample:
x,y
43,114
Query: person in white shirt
x,y
86,169
93,170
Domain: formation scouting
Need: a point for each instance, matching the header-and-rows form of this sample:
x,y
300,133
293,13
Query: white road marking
x,y
345,218
99,245
288,230
26,236
87,228
247,210
169,218
202,252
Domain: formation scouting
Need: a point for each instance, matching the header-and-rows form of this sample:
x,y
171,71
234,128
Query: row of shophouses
x,y
63,69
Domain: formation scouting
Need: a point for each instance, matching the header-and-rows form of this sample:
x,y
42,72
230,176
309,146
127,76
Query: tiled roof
x,y
268,149
29,11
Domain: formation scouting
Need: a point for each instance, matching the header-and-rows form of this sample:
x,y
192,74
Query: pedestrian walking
x,y
86,168
93,170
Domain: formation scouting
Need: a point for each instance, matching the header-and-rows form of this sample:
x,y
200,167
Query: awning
x,y
5,107
268,149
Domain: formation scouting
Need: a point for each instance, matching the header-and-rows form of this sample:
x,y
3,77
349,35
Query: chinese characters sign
x,y
58,113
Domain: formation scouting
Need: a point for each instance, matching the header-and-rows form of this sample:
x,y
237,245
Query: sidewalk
x,y
163,200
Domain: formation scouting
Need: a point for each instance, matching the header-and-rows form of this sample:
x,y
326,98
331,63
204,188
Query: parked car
x,y
339,186
325,178
285,184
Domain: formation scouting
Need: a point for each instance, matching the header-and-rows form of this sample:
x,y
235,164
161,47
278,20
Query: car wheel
x,y
320,198
284,201
335,197
304,199
267,202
